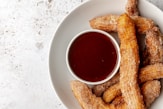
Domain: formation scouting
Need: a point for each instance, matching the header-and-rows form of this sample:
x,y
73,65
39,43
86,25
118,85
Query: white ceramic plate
x,y
77,21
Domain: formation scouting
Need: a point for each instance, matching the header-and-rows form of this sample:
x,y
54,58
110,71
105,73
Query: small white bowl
x,y
116,66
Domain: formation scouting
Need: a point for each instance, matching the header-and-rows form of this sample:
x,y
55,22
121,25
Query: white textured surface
x,y
26,30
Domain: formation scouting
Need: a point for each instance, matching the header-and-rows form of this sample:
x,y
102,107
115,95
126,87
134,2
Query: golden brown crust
x,y
131,8
150,91
112,92
85,96
109,23
151,72
118,101
129,63
154,48
143,24
99,89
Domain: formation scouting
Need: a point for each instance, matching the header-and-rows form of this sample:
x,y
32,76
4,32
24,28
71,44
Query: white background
x,y
26,30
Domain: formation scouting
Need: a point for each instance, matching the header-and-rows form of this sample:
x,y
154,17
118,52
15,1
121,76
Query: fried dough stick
x,y
109,23
99,89
150,91
86,98
154,49
112,92
131,8
151,72
129,63
118,101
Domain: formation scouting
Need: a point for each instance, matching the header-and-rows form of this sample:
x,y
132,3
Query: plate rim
x,y
54,36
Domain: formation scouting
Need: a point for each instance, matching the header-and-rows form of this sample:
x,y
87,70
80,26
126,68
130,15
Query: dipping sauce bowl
x,y
93,56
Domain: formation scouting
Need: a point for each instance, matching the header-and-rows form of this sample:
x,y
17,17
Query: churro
x,y
129,63
109,23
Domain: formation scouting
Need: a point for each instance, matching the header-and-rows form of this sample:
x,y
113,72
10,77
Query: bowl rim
x,y
116,46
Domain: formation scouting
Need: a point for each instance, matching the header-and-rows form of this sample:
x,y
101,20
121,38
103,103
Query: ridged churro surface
x,y
129,63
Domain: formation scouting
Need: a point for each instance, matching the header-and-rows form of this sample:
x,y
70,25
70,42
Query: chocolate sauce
x,y
92,56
